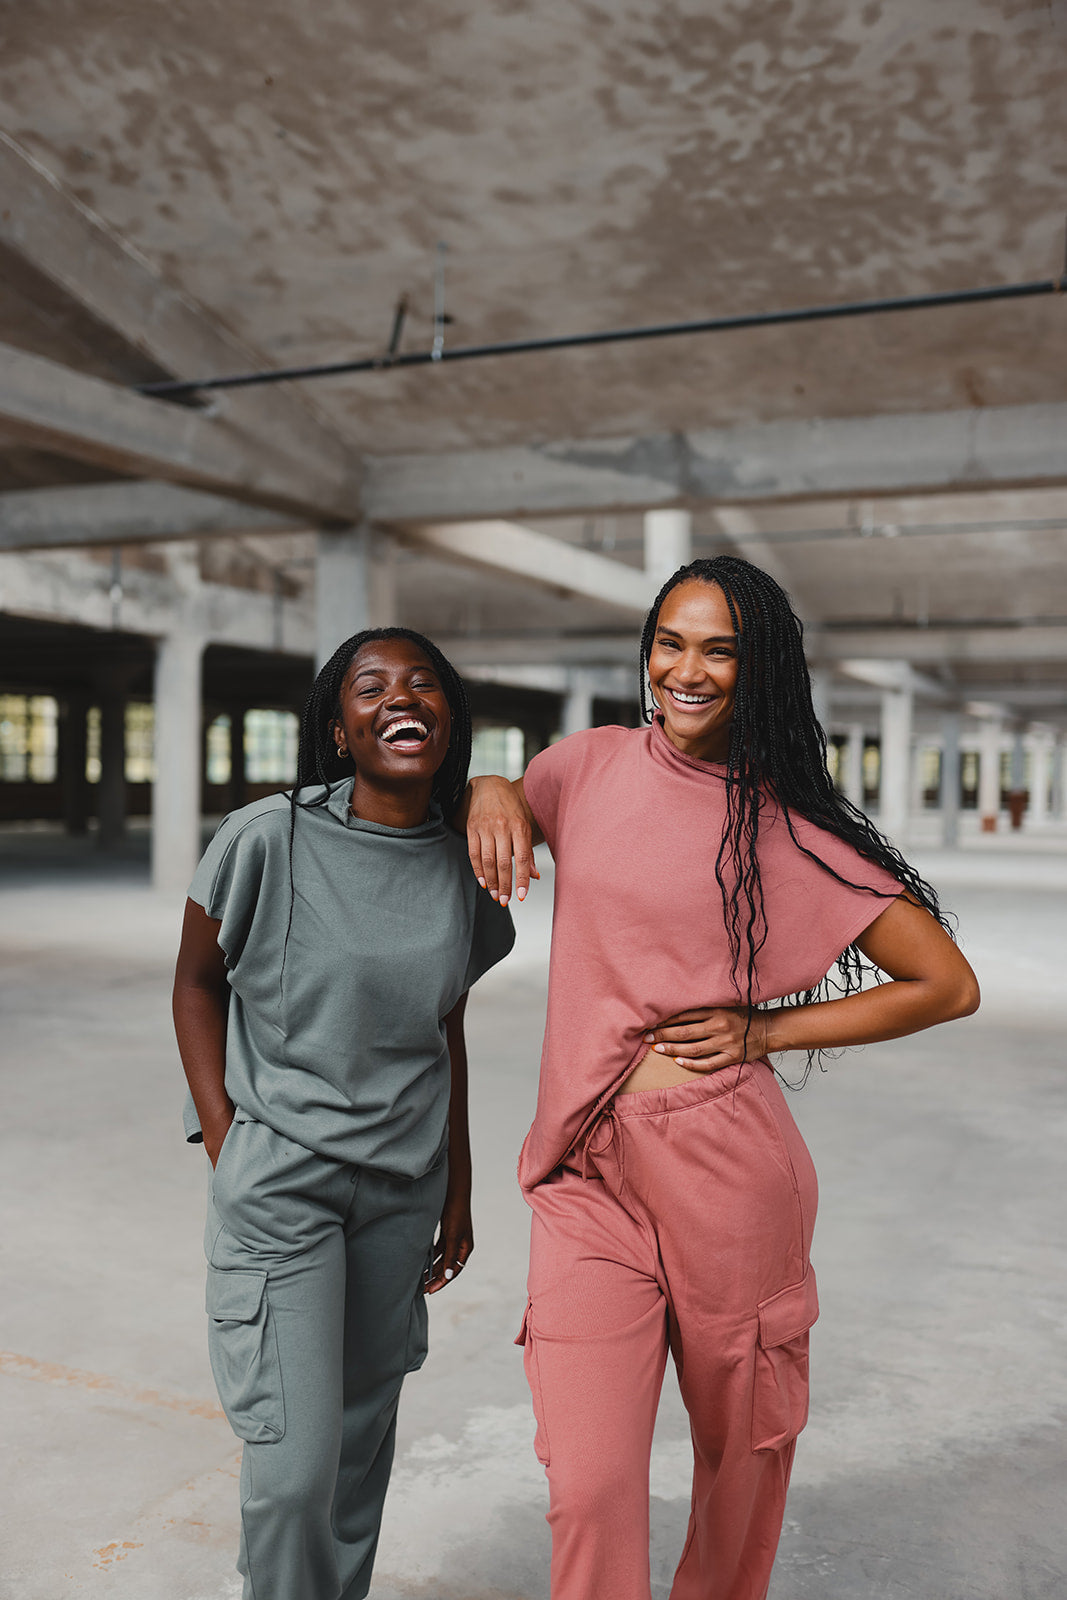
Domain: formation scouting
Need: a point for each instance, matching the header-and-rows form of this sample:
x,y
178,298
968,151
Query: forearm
x,y
459,1138
200,1026
888,1011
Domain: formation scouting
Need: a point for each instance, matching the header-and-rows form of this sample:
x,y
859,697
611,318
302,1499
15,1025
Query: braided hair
x,y
777,748
318,763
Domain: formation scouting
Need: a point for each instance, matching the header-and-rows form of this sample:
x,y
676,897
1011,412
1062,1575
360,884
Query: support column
x,y
853,778
1017,796
176,790
950,779
989,773
236,797
893,787
1040,768
355,586
821,678
1059,779
111,790
74,737
578,701
668,543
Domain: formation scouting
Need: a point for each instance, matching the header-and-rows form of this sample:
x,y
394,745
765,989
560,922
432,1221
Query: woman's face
x,y
693,669
395,722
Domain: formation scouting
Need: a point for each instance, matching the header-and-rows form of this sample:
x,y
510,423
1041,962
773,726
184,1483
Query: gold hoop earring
x,y
341,752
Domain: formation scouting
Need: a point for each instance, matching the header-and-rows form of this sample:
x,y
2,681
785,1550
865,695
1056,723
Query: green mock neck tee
x,y
344,1052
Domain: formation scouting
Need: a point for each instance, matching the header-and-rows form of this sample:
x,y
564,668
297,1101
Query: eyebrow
x,y
715,638
379,672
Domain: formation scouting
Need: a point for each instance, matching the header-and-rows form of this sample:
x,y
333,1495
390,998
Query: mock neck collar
x,y
340,805
666,754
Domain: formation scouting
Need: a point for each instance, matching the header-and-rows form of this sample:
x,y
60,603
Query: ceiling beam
x,y
524,553
118,289
49,407
826,647
126,513
915,452
934,645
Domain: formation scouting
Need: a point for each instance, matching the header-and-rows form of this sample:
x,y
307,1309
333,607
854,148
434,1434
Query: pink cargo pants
x,y
683,1223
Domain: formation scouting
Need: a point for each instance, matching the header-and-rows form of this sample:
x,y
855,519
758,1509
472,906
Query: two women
x,y
708,878
330,939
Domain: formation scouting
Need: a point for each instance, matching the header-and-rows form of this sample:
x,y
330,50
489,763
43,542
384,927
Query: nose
x,y
689,669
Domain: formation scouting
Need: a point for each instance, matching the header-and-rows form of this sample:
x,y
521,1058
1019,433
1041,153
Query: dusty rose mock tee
x,y
638,933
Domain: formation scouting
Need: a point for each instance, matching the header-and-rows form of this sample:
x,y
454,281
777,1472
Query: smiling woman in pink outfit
x,y
708,878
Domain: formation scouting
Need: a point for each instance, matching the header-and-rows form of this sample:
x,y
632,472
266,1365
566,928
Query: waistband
x,y
680,1096
602,1141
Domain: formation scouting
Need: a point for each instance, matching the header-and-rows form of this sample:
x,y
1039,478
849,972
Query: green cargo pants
x,y
316,1312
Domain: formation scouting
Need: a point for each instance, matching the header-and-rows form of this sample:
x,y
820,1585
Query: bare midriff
x,y
655,1071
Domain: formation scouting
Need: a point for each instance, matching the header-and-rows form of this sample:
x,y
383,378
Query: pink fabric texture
x,y
637,932
671,1219
691,1233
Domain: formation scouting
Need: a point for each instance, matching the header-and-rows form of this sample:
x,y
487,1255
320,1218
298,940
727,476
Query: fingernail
x,y
494,894
649,1038
520,894
503,899
662,1048
449,1273
482,882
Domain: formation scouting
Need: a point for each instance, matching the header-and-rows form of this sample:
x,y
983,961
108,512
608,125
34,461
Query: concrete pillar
x,y
989,773
355,586
111,790
73,749
1058,800
853,774
916,790
178,749
578,701
893,788
668,543
821,678
1040,771
950,779
1017,779
236,796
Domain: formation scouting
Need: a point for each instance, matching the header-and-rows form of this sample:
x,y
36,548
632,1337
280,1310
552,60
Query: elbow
x,y
966,999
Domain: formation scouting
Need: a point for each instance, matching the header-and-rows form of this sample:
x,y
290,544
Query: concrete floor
x,y
933,1466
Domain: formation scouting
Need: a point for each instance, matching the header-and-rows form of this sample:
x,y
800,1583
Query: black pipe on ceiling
x,y
393,360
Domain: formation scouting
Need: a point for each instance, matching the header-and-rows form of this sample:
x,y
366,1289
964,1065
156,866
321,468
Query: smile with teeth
x,y
406,734
690,699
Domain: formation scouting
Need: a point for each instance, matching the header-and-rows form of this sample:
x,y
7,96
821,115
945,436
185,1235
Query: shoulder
x,y
266,819
836,855
584,752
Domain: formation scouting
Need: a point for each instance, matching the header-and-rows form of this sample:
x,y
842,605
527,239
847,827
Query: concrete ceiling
x,y
267,180
293,167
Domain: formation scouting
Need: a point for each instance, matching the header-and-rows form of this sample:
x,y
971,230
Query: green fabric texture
x,y
345,1054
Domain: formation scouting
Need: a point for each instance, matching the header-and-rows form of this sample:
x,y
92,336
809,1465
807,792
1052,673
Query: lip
x,y
412,745
685,707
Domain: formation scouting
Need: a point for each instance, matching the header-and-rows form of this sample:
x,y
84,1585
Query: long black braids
x,y
318,764
777,748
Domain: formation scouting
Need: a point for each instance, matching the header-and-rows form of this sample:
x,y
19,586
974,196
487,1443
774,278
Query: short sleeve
x,y
545,781
227,882
493,937
815,908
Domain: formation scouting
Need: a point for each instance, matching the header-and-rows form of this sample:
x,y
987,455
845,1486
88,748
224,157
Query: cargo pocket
x,y
780,1391
243,1346
533,1378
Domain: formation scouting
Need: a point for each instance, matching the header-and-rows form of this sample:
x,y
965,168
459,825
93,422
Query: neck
x,y
402,805
715,747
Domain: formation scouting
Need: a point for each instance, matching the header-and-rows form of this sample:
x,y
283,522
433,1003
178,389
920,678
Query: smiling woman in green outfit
x,y
330,938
